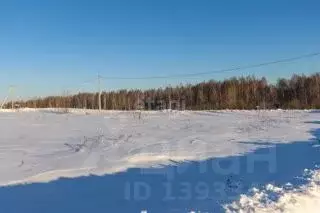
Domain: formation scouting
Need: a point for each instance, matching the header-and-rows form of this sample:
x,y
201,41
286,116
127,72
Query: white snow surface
x,y
46,144
41,145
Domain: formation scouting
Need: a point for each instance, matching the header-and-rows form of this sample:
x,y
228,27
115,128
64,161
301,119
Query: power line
x,y
217,71
99,77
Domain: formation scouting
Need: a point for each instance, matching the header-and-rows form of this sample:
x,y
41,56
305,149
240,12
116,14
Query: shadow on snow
x,y
199,186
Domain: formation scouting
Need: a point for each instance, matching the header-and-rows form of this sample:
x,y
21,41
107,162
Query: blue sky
x,y
47,47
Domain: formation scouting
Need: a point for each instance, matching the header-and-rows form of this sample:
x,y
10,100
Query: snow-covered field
x,y
169,161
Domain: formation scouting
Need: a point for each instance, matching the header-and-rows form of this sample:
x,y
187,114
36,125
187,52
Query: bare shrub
x,y
137,115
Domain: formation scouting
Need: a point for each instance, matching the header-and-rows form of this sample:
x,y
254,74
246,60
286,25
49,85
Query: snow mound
x,y
284,199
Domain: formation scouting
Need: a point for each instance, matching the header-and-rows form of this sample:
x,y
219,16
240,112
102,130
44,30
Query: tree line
x,y
298,92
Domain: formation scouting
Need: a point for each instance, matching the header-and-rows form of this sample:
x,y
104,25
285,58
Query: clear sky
x,y
47,47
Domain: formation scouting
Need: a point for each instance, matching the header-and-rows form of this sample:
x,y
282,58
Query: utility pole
x,y
100,92
11,91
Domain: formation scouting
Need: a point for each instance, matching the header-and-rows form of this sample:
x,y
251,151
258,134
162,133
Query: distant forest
x,y
298,92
